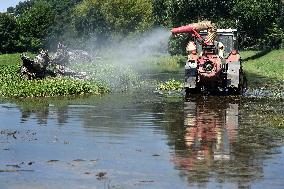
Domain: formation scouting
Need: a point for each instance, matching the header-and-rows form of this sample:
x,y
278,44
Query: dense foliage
x,y
9,34
35,24
259,22
111,18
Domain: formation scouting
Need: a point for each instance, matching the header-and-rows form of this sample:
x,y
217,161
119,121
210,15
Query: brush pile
x,y
55,66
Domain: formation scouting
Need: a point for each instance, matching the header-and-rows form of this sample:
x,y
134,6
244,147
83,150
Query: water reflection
x,y
209,147
209,132
40,110
43,110
213,142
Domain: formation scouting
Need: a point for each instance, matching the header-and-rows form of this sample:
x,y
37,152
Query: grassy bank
x,y
264,69
164,63
12,86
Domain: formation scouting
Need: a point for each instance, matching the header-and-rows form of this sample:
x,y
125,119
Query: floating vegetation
x,y
266,112
11,85
276,120
264,93
171,85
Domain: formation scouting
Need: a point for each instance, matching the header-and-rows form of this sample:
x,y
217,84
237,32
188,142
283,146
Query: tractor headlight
x,y
208,66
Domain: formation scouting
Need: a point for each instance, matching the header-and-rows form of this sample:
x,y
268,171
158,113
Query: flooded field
x,y
142,140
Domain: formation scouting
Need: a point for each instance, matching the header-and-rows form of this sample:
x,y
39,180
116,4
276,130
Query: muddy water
x,y
141,140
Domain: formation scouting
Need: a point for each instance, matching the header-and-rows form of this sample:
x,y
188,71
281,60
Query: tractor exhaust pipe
x,y
182,29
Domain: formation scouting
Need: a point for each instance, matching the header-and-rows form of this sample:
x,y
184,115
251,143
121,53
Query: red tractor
x,y
213,63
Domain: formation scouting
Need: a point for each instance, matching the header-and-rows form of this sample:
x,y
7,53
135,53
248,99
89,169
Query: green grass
x,y
164,63
264,69
269,65
10,59
276,120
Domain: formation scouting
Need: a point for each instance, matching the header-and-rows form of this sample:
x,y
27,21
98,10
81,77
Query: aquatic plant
x,y
11,85
171,85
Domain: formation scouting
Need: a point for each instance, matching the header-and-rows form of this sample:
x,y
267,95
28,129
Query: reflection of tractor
x,y
213,60
210,134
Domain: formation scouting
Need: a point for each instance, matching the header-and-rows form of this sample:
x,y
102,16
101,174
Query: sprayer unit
x,y
213,62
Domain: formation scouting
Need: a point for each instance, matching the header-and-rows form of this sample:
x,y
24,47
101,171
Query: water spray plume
x,y
133,50
120,61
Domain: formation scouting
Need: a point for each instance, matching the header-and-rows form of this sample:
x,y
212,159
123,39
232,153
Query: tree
x,y
110,18
89,19
160,12
128,16
21,8
35,25
9,33
260,22
62,29
257,19
176,13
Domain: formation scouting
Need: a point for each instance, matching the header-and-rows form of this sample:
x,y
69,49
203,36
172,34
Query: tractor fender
x,y
190,74
233,74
